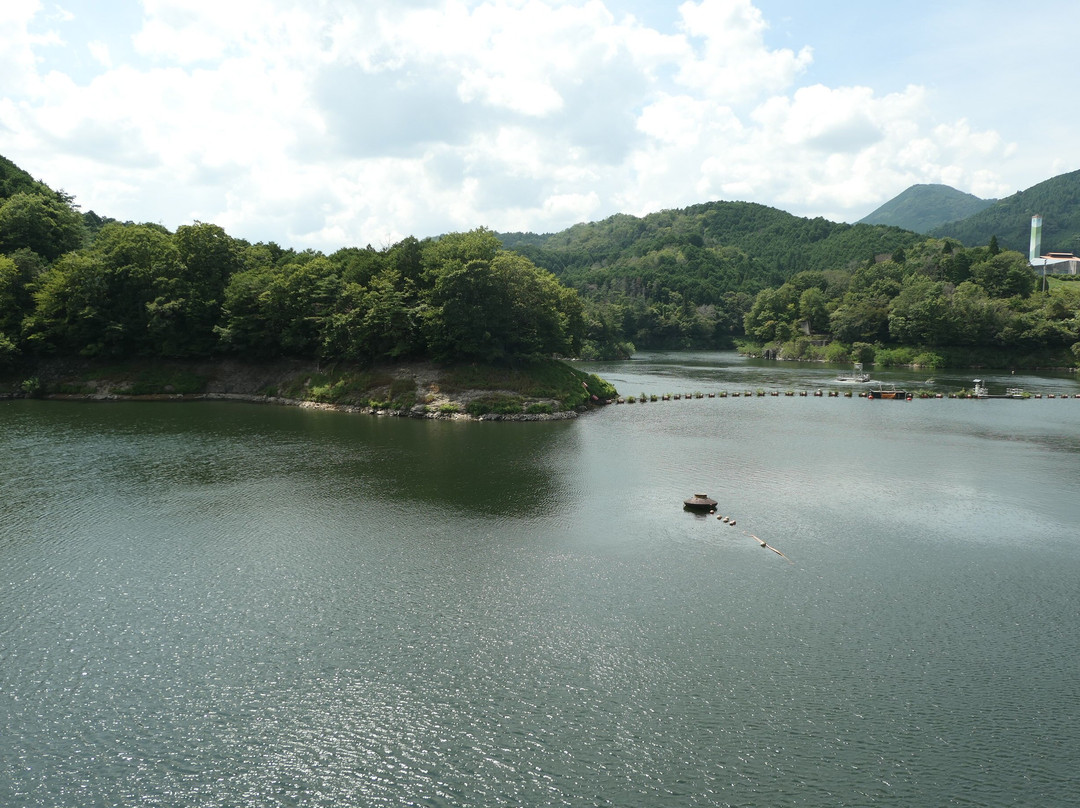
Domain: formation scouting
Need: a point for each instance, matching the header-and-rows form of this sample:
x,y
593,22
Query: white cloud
x,y
733,63
18,66
100,52
327,123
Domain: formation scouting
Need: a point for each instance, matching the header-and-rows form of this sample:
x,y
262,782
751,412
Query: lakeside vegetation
x,y
935,305
710,276
82,286
725,274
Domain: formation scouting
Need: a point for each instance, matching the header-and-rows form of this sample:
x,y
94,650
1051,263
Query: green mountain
x,y
703,251
686,278
921,208
1057,200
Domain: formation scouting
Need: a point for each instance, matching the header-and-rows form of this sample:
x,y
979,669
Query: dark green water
x,y
234,605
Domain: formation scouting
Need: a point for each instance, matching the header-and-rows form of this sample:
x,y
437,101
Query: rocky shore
x,y
413,390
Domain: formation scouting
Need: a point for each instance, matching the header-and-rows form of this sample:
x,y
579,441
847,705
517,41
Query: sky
x,y
332,123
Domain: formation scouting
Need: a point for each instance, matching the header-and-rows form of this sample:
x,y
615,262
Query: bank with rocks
x,y
534,390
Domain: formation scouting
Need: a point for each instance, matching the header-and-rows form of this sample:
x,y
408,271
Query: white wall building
x,y
1057,263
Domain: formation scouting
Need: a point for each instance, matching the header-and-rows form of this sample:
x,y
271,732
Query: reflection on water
x,y
224,604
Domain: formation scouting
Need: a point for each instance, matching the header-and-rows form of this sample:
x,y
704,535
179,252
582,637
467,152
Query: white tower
x,y
1036,238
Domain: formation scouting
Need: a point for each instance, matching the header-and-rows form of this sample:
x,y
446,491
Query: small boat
x,y
699,502
981,391
856,376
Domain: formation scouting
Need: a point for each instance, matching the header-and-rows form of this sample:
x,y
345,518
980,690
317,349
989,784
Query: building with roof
x,y
1057,263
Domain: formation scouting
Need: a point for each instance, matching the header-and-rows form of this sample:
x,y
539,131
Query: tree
x,y
151,303
122,297
44,224
1005,275
860,319
355,265
920,314
275,311
374,323
14,301
450,252
245,329
71,308
813,309
773,315
502,309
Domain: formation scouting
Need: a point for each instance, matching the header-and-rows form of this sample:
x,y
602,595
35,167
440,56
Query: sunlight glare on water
x,y
222,604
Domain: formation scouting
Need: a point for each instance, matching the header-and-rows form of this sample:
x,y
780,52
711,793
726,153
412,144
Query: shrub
x,y
863,352
495,403
165,380
928,359
837,353
403,393
892,357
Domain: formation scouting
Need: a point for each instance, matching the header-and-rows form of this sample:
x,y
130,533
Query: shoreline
x,y
408,390
419,411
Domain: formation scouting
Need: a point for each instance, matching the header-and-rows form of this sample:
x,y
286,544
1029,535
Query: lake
x,y
225,604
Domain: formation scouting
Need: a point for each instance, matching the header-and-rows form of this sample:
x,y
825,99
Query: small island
x,y
450,327
532,390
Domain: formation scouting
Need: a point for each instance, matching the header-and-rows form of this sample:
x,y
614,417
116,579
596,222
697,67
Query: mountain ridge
x,y
923,207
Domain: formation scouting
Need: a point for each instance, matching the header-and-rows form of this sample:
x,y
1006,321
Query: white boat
x,y
856,376
981,391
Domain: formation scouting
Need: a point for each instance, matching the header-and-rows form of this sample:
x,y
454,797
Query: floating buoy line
x,y
702,502
871,395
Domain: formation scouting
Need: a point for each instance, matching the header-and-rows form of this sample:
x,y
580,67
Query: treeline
x,y
79,285
686,278
703,277
925,304
725,272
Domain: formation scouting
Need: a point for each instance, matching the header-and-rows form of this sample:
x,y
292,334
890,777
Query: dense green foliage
x,y
921,208
139,290
83,285
920,307
1057,200
685,278
13,180
703,277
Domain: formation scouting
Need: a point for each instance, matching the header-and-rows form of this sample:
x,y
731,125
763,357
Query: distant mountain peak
x,y
925,206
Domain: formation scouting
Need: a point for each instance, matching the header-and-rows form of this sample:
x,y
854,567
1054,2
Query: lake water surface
x,y
221,604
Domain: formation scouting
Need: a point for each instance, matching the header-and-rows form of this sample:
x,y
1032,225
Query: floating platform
x,y
899,395
699,502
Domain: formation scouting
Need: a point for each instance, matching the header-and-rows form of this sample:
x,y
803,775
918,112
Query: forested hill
x,y
13,180
703,251
79,285
1057,200
921,208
